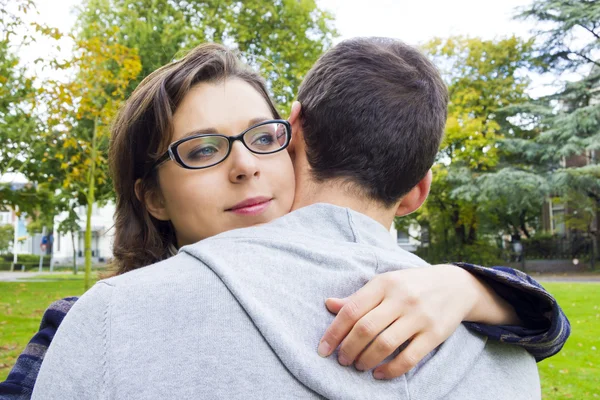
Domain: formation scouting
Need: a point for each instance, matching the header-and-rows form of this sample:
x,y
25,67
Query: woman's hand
x,y
423,305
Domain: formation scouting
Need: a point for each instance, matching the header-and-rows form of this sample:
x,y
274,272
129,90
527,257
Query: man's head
x,y
372,116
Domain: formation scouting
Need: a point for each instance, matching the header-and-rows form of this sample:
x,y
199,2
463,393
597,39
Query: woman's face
x,y
206,202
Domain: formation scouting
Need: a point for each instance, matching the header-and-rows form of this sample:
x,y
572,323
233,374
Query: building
x,y
64,244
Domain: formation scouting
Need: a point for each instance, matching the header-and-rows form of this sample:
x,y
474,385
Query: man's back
x,y
240,316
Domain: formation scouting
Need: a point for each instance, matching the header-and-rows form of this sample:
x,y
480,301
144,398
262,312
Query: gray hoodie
x,y
240,315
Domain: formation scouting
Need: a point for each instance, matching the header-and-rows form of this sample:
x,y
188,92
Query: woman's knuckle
x,y
385,344
409,361
351,310
365,328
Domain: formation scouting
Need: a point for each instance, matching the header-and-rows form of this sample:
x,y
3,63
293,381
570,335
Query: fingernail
x,y
324,349
360,366
378,375
342,359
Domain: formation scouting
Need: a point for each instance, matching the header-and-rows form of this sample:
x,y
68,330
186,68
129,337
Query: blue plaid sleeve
x,y
545,326
21,379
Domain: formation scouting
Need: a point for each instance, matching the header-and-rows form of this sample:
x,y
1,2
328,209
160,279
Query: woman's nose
x,y
244,164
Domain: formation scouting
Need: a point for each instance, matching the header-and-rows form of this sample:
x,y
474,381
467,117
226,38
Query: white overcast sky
x,y
413,21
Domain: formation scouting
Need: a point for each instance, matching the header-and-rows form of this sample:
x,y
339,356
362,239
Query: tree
x,y
483,78
18,122
566,144
79,118
71,225
512,200
281,38
6,237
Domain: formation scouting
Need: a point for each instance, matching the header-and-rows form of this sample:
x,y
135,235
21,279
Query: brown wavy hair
x,y
142,132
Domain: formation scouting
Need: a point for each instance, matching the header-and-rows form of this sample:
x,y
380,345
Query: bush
x,y
546,246
29,260
481,253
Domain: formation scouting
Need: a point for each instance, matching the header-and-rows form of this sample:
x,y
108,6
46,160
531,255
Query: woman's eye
x,y
203,152
263,139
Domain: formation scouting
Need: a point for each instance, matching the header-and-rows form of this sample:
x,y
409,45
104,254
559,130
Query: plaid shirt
x,y
546,331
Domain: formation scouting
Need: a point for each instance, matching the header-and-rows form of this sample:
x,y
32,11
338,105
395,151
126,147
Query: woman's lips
x,y
252,206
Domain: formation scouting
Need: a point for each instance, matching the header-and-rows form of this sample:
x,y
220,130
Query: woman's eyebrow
x,y
258,120
208,131
204,131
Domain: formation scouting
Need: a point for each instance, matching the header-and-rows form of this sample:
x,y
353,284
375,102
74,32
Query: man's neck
x,y
308,192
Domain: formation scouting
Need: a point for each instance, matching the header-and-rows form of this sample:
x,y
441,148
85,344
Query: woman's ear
x,y
416,197
153,201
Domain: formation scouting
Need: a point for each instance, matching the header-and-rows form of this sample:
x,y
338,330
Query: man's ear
x,y
153,201
416,197
294,120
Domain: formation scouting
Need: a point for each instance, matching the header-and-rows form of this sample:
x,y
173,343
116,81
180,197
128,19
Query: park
x,y
515,183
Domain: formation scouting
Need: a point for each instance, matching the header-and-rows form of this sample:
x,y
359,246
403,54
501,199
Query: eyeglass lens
x,y
209,150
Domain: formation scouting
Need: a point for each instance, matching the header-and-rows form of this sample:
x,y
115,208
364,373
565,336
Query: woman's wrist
x,y
487,306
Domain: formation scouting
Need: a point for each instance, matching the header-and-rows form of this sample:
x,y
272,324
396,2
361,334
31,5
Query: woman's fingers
x,y
356,306
334,305
366,329
387,342
419,347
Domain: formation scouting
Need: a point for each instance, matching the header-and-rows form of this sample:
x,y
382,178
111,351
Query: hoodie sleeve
x,y
75,365
546,327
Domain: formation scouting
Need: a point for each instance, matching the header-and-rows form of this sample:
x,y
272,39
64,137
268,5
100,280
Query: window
x,y
5,218
402,236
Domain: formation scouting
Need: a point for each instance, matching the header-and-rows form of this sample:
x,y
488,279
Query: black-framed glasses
x,y
207,150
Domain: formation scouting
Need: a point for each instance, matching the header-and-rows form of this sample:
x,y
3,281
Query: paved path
x,y
7,276
568,279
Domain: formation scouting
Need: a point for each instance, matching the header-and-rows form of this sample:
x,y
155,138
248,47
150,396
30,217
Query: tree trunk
x,y
74,253
524,225
90,205
472,234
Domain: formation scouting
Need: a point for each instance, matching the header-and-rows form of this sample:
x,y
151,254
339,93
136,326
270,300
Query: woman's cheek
x,y
287,184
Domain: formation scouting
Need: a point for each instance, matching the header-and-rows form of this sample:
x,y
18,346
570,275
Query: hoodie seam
x,y
351,225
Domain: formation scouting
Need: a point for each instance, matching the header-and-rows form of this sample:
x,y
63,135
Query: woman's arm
x,y
21,379
422,307
544,327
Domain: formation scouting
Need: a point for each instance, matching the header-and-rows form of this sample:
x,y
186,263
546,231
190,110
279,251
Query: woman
x,y
180,176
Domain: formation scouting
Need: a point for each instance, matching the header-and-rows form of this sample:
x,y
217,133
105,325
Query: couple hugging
x,y
253,257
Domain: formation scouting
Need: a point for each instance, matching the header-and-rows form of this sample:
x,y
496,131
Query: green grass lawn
x,y
573,373
22,305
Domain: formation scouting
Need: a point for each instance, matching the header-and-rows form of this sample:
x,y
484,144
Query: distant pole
x,y
42,255
593,256
15,239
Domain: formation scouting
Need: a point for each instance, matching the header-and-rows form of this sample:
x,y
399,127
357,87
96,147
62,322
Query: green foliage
x,y
281,38
30,261
511,200
7,233
483,77
566,143
19,125
479,252
562,20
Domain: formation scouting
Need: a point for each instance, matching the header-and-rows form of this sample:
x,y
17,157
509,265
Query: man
x,y
239,315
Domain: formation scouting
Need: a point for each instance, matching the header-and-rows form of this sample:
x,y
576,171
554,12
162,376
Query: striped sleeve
x,y
545,327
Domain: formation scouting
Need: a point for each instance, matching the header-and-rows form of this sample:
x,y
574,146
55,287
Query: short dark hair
x,y
373,115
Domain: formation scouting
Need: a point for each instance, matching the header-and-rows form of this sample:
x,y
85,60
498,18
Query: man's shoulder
x,y
172,269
